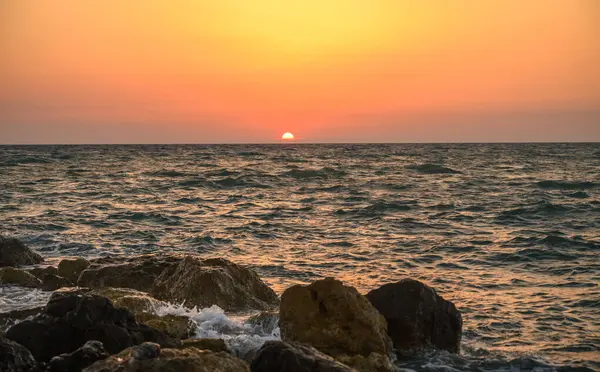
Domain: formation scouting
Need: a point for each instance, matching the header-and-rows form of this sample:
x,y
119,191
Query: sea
x,y
508,232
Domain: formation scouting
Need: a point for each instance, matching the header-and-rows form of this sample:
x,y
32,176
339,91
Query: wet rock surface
x,y
188,280
417,316
15,357
141,304
9,318
14,253
333,318
171,360
176,326
144,307
86,355
294,357
212,344
204,283
69,320
136,272
266,321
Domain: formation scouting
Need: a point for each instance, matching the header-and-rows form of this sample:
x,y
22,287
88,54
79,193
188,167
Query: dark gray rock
x,y
276,356
69,320
14,253
15,357
417,316
86,355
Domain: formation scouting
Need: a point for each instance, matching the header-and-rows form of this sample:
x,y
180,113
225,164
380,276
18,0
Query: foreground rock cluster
x,y
106,318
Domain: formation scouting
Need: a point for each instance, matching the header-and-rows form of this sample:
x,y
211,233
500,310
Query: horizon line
x,y
288,143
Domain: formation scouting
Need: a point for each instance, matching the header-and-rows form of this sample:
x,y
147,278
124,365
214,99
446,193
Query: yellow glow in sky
x,y
260,67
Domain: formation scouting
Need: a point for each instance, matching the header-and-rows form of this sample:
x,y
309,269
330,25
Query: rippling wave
x,y
510,233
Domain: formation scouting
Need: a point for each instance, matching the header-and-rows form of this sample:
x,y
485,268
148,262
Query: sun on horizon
x,y
287,136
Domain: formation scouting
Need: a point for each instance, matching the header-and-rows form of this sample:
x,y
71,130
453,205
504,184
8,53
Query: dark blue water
x,y
509,232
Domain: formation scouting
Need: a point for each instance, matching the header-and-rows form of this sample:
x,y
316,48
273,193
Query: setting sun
x,y
287,136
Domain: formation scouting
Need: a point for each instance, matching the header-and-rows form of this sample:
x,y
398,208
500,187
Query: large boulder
x,y
138,359
187,280
134,272
204,283
15,357
14,253
10,275
71,268
86,355
294,357
69,320
417,316
333,318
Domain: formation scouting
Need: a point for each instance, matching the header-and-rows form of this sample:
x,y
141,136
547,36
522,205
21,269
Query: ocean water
x,y
509,232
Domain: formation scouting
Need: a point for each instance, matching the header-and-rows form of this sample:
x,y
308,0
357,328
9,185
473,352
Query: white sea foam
x,y
241,337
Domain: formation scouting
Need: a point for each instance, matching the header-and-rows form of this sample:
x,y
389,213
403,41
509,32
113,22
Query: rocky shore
x,y
102,316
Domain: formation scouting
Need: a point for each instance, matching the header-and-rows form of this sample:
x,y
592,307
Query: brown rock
x,y
135,272
417,316
71,268
40,272
212,344
204,283
141,304
172,360
188,280
177,326
14,253
334,319
53,282
10,275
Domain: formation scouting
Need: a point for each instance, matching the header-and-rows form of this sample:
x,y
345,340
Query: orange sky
x,y
327,70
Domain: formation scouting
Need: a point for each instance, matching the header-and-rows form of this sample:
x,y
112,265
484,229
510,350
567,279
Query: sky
x,y
246,71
